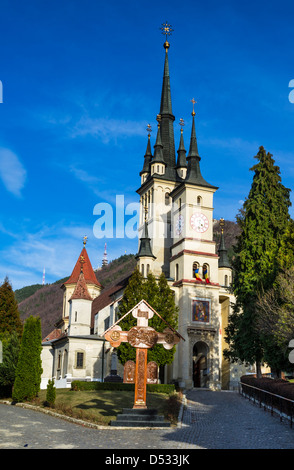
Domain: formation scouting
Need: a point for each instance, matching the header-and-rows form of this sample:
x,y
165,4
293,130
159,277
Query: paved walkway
x,y
211,420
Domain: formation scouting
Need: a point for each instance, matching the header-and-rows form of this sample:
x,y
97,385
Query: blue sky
x,y
82,79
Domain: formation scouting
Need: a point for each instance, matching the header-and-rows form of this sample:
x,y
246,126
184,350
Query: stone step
x,y
140,424
140,417
131,417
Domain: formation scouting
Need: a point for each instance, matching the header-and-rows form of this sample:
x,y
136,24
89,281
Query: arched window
x,y
206,272
177,272
166,199
142,270
199,200
196,268
226,280
148,269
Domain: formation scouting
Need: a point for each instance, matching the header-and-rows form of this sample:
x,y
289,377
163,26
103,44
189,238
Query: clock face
x,y
179,224
199,222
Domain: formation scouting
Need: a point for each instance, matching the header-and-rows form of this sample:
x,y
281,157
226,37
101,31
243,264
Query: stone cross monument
x,y
142,337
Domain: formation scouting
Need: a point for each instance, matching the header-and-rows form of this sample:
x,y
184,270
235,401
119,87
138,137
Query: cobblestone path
x,y
211,420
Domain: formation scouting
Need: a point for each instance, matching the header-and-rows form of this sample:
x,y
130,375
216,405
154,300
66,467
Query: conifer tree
x,y
263,221
11,347
29,366
9,314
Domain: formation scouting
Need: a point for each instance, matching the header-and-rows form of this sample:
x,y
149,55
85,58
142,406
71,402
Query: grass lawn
x,y
102,406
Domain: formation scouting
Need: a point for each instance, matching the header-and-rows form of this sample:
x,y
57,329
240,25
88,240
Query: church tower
x,y
176,238
158,179
93,285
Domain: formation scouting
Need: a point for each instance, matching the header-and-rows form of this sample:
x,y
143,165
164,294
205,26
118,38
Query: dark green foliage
x,y
161,298
78,385
50,393
25,292
11,347
263,222
29,366
9,314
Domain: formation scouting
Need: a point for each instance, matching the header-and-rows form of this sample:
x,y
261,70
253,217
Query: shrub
x,y
50,394
279,387
155,388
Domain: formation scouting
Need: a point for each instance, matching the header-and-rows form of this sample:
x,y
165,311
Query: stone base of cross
x,y
142,337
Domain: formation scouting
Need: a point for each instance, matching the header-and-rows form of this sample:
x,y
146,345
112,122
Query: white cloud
x,y
108,129
12,173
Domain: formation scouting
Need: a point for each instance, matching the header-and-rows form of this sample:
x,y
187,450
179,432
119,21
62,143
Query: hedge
x,y
78,385
280,387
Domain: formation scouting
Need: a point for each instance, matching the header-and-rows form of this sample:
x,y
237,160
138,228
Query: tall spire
x,y
223,261
167,117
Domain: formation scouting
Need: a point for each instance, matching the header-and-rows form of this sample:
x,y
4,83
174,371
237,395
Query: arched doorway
x,y
200,369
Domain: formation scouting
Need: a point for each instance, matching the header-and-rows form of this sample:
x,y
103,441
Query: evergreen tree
x,y
9,314
263,221
133,294
50,393
11,347
29,366
161,298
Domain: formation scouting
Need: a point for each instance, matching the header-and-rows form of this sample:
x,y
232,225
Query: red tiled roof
x,y
81,289
53,335
89,274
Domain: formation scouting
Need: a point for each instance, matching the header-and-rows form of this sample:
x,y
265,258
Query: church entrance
x,y
200,370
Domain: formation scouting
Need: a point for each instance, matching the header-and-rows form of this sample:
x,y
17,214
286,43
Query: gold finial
x,y
149,129
167,30
182,123
85,240
82,261
193,101
222,224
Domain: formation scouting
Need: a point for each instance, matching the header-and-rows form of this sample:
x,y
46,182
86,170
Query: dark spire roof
x,y
158,149
147,158
181,162
167,119
145,246
193,173
223,261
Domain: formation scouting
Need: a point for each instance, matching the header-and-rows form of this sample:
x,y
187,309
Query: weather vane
x,y
193,101
149,129
167,30
85,240
182,123
222,224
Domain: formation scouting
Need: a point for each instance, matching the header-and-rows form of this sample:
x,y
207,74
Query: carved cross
x,y
142,337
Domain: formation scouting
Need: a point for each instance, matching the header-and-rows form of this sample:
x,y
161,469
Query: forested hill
x,y
46,301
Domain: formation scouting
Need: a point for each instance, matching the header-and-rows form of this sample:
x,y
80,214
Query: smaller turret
x,y
182,162
158,164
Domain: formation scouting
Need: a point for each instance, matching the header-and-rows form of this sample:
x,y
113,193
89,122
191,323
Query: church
x,y
176,238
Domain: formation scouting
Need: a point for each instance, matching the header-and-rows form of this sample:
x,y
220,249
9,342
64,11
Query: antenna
x,y
105,261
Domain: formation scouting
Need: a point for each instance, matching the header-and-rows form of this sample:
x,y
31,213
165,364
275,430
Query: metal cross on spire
x,y
85,240
193,101
167,30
